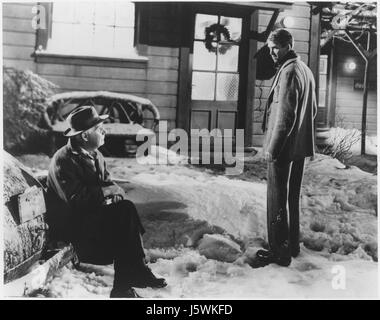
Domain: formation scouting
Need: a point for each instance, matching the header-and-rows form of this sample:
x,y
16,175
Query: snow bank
x,y
191,275
236,206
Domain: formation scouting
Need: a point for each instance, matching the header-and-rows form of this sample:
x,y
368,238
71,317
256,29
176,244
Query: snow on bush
x,y
343,143
25,95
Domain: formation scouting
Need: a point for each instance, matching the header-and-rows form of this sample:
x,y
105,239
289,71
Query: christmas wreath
x,y
213,33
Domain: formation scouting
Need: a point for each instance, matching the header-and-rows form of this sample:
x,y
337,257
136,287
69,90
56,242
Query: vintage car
x,y
128,115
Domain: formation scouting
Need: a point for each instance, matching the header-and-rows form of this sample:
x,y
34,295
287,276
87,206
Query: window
x,y
101,29
322,81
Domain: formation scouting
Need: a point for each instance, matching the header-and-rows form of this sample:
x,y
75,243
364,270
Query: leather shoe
x,y
146,278
124,293
295,251
263,254
265,257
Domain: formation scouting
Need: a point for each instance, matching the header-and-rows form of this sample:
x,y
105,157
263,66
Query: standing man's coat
x,y
289,116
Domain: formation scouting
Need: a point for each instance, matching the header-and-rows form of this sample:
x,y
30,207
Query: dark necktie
x,y
97,166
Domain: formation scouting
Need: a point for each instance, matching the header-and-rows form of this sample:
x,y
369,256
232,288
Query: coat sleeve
x,y
285,118
77,193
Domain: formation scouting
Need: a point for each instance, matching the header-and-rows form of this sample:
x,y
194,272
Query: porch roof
x,y
263,5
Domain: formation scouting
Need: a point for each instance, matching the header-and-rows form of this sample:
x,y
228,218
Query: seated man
x,y
89,210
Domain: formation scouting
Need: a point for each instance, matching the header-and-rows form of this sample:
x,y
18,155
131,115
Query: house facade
x,y
341,84
166,52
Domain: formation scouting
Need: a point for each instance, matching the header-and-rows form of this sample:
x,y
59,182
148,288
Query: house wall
x,y
19,38
156,80
349,102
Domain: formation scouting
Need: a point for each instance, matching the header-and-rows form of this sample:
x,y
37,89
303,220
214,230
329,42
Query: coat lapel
x,y
275,81
83,160
270,96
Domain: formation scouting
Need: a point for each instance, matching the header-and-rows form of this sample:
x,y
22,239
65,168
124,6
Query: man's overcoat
x,y
289,115
75,195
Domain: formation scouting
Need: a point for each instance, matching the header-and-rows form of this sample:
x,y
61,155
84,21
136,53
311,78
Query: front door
x,y
215,72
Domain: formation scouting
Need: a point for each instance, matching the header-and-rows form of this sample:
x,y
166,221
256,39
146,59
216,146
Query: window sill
x,y
136,62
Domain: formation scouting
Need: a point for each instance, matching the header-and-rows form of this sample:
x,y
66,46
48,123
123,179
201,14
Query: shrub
x,y
340,142
26,127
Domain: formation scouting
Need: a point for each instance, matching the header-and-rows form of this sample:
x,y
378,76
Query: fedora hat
x,y
82,119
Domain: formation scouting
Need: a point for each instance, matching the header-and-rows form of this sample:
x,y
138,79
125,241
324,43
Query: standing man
x,y
89,210
288,126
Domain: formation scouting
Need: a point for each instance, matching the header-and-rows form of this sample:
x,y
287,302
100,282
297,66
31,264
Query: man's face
x,y
276,51
95,136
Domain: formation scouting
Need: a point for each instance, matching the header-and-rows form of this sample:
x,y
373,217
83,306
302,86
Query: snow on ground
x,y
339,205
190,275
179,204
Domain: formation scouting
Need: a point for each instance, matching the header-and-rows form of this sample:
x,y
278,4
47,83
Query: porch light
x,y
350,66
285,22
288,22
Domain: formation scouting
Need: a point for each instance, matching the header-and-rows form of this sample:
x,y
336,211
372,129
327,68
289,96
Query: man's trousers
x,y
283,195
115,237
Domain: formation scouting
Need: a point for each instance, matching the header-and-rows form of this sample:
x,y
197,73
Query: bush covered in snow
x,y
24,106
340,142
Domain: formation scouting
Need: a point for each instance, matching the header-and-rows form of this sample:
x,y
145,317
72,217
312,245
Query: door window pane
x,y
227,87
203,86
233,25
226,120
200,119
203,59
201,22
228,61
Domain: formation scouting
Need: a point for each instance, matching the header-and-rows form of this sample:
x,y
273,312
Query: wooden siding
x,y
301,14
19,37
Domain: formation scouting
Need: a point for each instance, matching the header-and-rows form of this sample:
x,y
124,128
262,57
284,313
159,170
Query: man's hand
x,y
113,190
268,156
